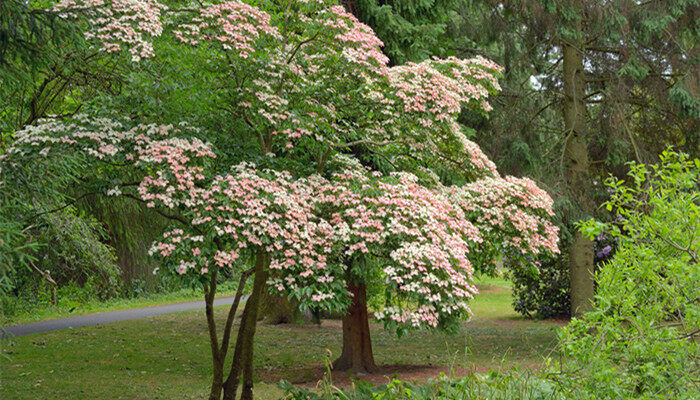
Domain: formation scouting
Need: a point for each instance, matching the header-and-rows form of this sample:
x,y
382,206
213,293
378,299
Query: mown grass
x,y
167,357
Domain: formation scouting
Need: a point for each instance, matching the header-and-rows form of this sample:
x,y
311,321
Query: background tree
x,y
590,106
48,67
411,30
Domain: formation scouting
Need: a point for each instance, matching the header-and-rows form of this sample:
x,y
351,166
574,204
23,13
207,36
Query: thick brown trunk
x,y
351,6
278,309
577,169
357,345
243,352
581,275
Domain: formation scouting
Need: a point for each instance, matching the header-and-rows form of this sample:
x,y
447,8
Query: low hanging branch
x,y
47,277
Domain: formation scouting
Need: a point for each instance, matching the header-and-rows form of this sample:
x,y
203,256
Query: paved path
x,y
109,316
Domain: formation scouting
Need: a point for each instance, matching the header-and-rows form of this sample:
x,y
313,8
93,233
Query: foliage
x,y
411,30
130,229
541,289
41,229
116,25
641,339
15,250
494,385
310,83
46,66
78,253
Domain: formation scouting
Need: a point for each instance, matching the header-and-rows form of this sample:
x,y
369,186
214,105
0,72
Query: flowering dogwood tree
x,y
251,214
310,82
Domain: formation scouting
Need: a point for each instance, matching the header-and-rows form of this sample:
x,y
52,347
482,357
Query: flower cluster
x,y
250,209
360,44
294,82
430,95
274,211
112,142
234,25
442,86
221,218
513,215
118,24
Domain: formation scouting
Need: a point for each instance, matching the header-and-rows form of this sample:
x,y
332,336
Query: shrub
x,y
541,290
641,340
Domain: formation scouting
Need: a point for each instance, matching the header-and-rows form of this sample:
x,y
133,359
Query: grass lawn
x,y
167,357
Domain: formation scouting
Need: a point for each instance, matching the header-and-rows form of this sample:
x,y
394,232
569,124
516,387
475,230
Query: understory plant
x,y
641,341
541,288
493,386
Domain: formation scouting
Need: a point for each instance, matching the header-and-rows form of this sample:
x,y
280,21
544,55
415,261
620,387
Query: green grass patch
x,y
167,357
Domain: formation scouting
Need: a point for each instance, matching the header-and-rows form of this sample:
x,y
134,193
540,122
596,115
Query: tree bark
x,y
243,352
577,168
217,361
357,353
276,309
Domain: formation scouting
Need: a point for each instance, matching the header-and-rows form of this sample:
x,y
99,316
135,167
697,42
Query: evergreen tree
x,y
589,85
412,30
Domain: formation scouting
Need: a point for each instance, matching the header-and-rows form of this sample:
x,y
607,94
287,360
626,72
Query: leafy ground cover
x,y
167,357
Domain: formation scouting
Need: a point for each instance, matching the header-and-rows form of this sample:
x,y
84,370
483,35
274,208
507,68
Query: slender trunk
x,y
219,352
577,170
357,345
243,352
232,312
47,277
217,361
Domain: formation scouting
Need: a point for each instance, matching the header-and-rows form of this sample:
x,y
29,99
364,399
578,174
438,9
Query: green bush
x,y
542,291
75,252
641,341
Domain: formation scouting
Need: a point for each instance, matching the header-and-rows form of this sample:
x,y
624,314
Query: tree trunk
x,y
357,346
351,7
277,309
243,352
217,361
576,169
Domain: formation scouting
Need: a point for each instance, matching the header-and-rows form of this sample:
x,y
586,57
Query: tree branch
x,y
232,312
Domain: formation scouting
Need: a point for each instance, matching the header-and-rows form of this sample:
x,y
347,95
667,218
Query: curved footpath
x,y
107,317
